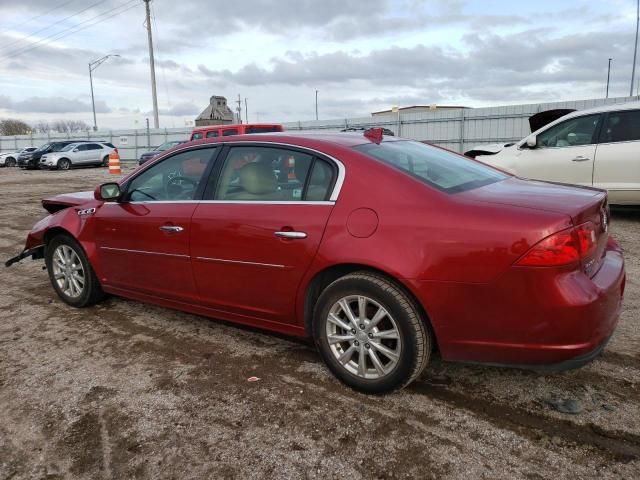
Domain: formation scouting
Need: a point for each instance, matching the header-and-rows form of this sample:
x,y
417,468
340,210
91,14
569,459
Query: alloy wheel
x,y
363,337
68,271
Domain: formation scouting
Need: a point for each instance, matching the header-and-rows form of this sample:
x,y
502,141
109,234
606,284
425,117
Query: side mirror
x,y
532,141
107,192
76,150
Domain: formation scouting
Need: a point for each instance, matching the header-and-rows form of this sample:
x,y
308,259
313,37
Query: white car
x,y
598,147
10,159
76,155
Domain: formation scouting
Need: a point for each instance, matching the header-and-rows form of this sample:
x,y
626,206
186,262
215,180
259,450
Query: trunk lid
x,y
581,204
66,200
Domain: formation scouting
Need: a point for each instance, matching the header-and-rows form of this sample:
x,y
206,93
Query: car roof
x,y
604,108
345,139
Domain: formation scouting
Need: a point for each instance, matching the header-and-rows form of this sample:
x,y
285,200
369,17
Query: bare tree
x,y
14,127
42,127
69,126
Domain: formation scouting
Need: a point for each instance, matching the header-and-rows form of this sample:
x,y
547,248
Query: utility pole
x,y
316,104
246,111
156,122
608,76
239,109
635,49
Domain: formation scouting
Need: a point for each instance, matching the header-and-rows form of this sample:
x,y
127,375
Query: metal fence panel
x,y
458,129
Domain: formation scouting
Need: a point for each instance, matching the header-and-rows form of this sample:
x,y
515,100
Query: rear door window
x,y
257,173
229,131
212,133
621,127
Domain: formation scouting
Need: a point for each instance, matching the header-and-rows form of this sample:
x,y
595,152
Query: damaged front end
x,y
60,219
35,254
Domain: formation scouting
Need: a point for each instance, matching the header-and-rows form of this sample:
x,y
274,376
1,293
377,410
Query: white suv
x,y
598,147
77,154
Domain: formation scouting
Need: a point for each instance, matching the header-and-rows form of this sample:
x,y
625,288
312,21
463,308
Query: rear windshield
x,y
265,129
438,168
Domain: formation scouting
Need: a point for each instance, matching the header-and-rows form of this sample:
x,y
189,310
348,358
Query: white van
x,y
598,147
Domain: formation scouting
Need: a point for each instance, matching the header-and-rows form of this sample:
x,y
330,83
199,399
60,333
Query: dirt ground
x,y
128,390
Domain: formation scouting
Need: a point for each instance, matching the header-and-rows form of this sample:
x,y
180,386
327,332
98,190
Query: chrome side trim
x,y
235,202
144,252
222,260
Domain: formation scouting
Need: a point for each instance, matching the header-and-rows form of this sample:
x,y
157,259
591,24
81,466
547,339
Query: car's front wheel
x,y
10,162
71,274
370,333
64,164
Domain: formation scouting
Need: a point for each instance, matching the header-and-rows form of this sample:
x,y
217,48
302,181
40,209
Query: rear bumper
x,y
531,317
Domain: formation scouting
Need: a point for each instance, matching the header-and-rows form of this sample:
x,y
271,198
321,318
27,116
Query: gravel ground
x,y
125,390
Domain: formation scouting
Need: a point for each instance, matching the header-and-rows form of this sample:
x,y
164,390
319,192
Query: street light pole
x,y
608,77
316,104
92,66
93,102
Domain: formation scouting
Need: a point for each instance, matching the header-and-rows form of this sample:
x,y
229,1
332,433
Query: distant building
x,y
418,108
216,113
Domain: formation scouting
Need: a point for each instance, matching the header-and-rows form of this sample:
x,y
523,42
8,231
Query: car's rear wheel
x,y
10,162
64,164
105,161
370,333
71,274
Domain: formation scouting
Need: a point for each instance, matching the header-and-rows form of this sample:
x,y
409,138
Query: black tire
x,y
10,162
105,161
414,335
64,164
91,291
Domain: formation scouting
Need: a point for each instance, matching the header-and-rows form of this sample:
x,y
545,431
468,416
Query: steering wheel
x,y
179,186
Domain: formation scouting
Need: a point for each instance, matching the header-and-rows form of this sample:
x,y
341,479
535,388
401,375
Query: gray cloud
x,y
50,105
491,67
182,109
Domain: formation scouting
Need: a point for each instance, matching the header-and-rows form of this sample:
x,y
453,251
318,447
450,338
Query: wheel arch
x,y
55,231
328,275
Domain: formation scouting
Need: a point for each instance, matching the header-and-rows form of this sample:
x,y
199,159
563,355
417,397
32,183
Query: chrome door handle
x,y
171,228
290,234
580,158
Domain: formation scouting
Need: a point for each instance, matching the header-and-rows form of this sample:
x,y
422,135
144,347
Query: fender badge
x,y
86,211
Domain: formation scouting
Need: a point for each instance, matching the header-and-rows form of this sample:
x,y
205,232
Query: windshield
x,y
43,147
58,147
438,168
66,148
166,146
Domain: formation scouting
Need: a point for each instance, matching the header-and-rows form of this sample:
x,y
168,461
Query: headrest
x,y
257,178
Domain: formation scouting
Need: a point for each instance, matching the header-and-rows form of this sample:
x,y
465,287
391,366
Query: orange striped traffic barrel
x,y
114,163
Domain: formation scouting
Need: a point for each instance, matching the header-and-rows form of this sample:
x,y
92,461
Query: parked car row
x,y
10,159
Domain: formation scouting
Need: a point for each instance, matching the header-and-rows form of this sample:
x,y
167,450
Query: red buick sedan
x,y
382,250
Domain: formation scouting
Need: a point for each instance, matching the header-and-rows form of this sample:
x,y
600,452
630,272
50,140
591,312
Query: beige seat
x,y
257,182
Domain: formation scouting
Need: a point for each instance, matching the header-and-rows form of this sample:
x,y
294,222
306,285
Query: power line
x,y
47,40
51,25
64,4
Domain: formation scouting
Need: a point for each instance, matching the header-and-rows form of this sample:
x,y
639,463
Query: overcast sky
x,y
362,56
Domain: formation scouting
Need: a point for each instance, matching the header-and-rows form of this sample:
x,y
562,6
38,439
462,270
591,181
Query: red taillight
x,y
562,248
